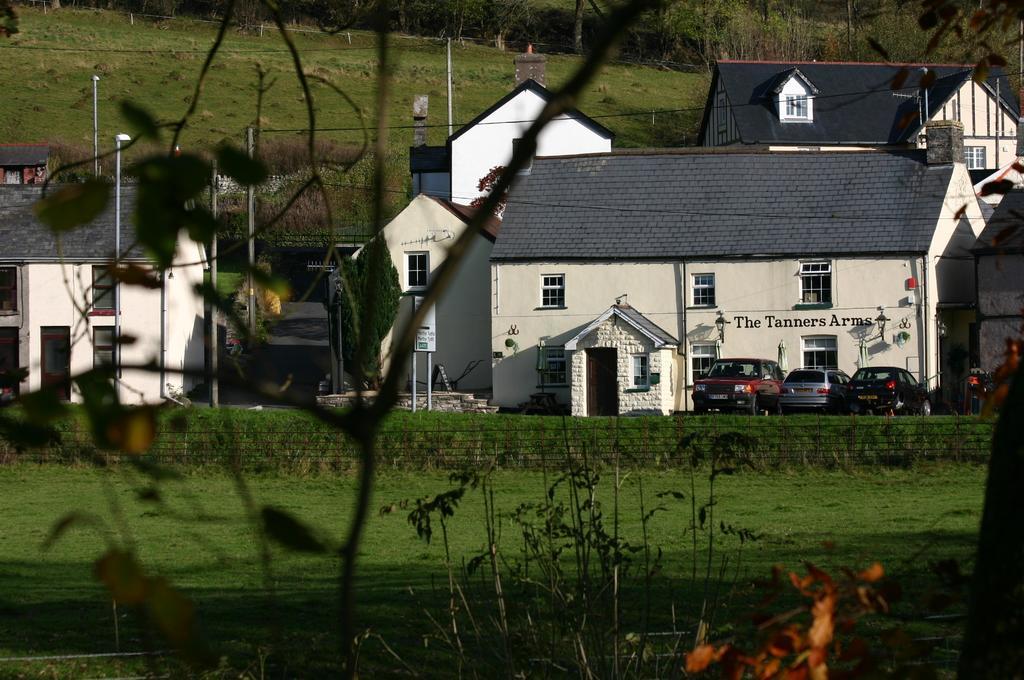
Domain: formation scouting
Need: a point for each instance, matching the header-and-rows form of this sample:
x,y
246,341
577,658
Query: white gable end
x,y
489,142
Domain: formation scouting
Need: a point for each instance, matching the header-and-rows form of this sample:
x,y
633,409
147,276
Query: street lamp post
x,y
95,128
117,250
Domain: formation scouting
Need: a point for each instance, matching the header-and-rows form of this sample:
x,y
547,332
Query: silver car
x,y
815,389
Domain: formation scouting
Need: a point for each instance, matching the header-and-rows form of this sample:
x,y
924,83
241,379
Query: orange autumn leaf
x,y
873,573
823,613
700,658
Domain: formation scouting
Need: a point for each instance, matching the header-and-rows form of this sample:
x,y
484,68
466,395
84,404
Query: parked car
x,y
747,385
815,389
887,389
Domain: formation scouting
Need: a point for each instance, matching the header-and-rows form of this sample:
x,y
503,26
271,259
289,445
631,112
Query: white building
x,y
453,172
57,304
618,278
418,239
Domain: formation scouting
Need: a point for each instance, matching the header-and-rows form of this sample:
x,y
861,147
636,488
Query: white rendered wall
x,y
463,319
489,142
55,290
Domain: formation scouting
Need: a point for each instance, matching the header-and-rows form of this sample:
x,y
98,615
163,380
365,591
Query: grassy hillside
x,y
48,94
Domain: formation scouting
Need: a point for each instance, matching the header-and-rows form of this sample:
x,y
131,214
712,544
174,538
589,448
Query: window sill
x,y
414,291
637,389
703,307
102,312
8,312
813,305
554,308
557,386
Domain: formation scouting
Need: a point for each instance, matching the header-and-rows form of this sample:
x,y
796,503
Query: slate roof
x,y
491,227
855,103
722,203
23,237
1004,232
13,155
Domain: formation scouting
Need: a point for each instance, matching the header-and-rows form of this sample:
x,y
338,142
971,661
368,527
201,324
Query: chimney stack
x,y
530,65
945,139
419,120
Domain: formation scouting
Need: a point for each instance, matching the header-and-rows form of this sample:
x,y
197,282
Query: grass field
x,y
48,94
199,539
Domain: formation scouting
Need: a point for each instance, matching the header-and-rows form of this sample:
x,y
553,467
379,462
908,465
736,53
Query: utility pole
x,y
250,195
95,129
449,87
213,381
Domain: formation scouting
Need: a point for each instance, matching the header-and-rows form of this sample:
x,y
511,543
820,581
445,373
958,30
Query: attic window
x,y
794,98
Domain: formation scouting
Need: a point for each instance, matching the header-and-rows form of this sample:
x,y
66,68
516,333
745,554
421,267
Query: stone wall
x,y
616,333
449,402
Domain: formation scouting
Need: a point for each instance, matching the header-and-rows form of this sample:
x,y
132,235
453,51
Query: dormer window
x,y
794,97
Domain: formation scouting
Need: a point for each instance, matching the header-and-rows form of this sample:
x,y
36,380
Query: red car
x,y
746,385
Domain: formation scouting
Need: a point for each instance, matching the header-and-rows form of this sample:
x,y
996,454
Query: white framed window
x,y
552,291
816,282
12,176
819,351
703,286
702,355
641,370
417,270
975,157
796,107
554,366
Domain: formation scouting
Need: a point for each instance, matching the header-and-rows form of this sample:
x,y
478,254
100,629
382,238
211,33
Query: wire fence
x,y
760,443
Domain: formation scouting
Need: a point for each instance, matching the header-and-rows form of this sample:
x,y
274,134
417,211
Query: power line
x,y
602,116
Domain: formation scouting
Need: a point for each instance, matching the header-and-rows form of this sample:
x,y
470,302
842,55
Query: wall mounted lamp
x,y
881,320
720,325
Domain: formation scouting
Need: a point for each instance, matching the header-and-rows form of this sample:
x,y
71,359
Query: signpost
x,y
426,341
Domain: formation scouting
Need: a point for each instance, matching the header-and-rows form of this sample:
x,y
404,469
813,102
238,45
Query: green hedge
x,y
293,440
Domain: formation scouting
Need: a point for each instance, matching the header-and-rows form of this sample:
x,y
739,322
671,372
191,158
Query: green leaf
x,y
289,532
165,203
238,165
140,120
73,205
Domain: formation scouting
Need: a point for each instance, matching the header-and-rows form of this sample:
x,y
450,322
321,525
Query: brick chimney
x,y
945,139
530,65
419,119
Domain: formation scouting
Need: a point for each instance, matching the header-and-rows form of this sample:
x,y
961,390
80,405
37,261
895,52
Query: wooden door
x,y
56,359
602,382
